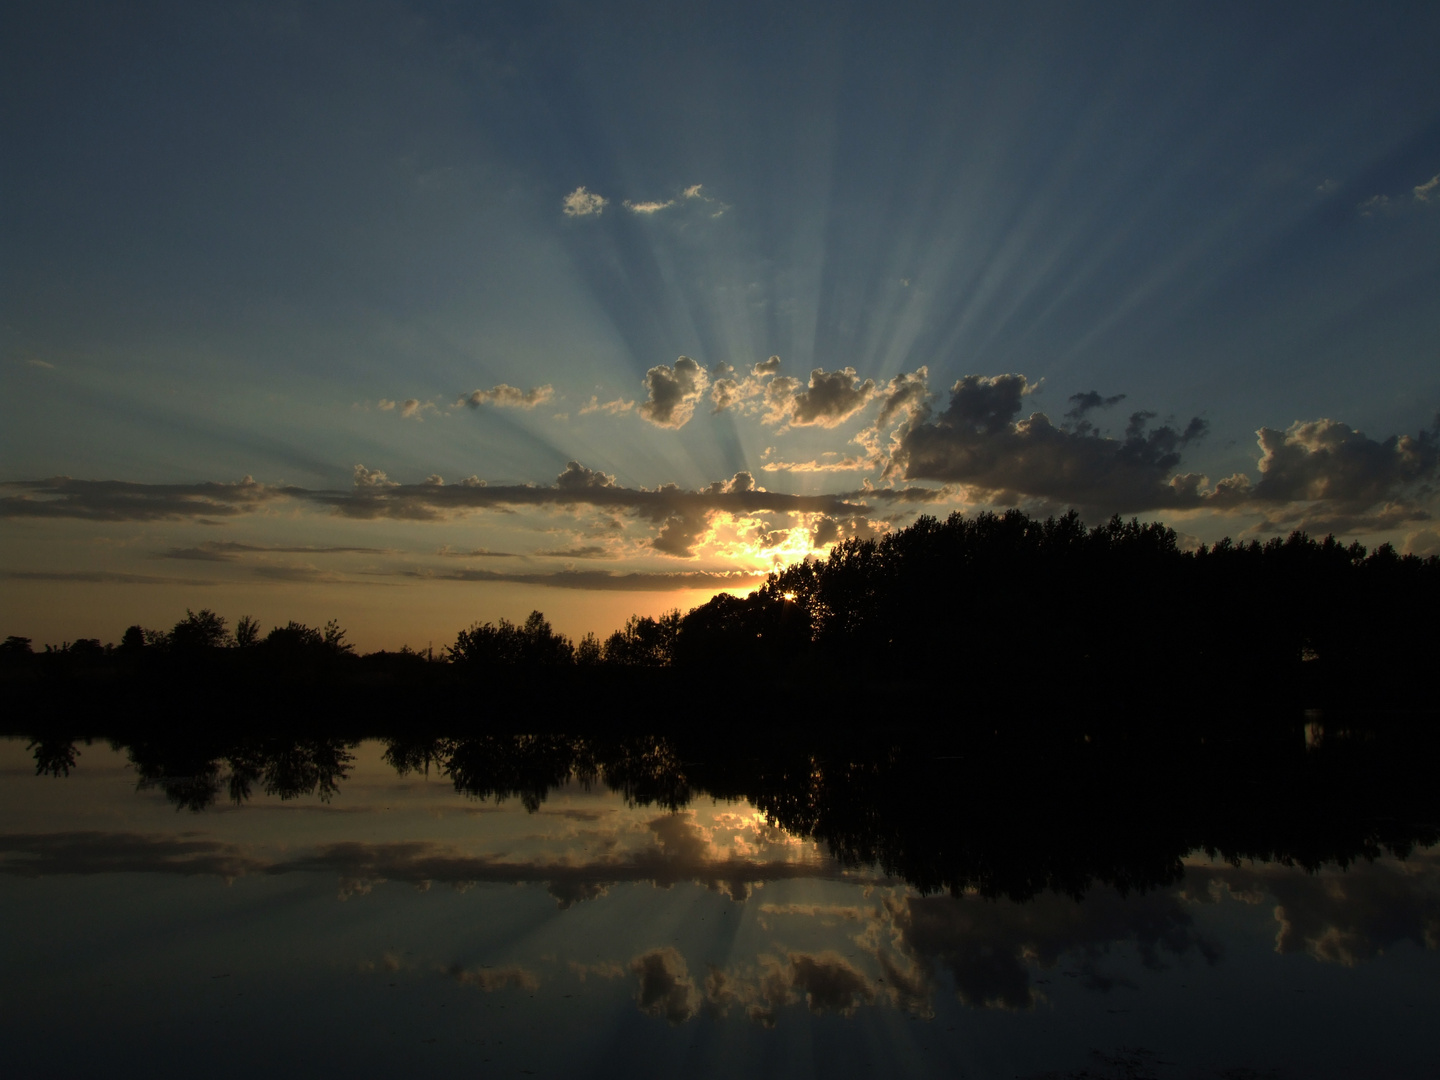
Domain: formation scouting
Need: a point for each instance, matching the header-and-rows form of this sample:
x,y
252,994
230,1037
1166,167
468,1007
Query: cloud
x,y
846,464
509,397
577,477
116,500
410,408
612,408
732,393
980,441
681,516
45,364
605,581
476,553
1428,190
232,551
648,207
1329,461
583,203
102,577
830,399
671,392
589,551
1423,544
371,478
1088,402
666,990
905,400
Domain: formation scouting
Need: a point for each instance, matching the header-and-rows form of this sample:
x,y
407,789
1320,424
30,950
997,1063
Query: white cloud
x,y
583,203
1428,190
648,207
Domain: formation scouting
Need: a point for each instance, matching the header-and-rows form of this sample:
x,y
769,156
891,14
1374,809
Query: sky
x,y
420,314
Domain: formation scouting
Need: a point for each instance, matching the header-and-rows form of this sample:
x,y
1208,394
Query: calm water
x,y
343,918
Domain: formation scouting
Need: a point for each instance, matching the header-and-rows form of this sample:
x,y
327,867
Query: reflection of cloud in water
x,y
1337,916
47,854
673,849
666,989
988,947
489,979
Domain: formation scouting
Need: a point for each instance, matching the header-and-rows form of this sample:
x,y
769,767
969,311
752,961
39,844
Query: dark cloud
x,y
233,551
672,392
589,551
100,577
1330,462
1088,402
1319,475
830,399
682,516
978,441
476,553
666,990
116,500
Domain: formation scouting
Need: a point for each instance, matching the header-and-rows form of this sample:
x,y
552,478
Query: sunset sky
x,y
416,314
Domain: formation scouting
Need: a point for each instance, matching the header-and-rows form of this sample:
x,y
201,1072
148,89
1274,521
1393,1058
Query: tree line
x,y
989,607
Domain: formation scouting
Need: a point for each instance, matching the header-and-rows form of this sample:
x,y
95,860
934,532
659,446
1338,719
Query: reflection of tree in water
x,y
1013,820
192,774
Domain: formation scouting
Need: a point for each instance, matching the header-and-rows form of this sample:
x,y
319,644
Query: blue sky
x,y
241,239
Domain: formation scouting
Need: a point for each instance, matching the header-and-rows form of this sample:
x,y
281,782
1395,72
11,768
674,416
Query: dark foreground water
x,y
328,914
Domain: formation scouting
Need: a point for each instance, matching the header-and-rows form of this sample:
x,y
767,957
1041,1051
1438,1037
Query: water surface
x,y
379,909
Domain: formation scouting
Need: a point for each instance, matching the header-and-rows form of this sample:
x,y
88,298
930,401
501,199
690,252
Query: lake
x,y
545,907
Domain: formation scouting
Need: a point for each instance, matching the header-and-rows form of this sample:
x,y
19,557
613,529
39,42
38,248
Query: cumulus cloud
x,y
509,397
1329,461
829,400
648,208
904,400
583,203
672,392
981,441
730,392
577,477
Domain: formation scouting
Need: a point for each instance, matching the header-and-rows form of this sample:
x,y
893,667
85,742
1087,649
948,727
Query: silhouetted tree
x,y
201,629
533,645
644,642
